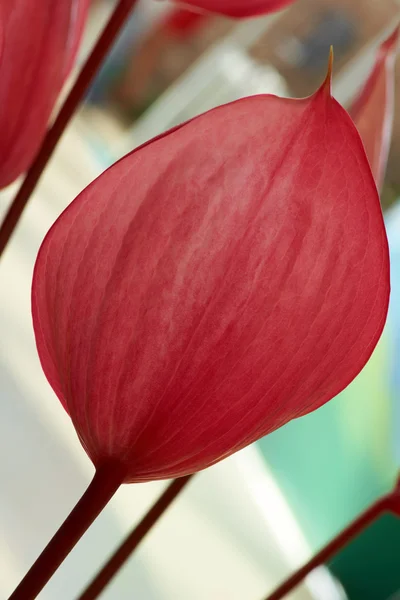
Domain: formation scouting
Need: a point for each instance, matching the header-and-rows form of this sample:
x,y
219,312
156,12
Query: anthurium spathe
x,y
40,40
239,8
221,280
373,108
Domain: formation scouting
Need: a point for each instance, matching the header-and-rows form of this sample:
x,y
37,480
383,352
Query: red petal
x,y
373,109
79,12
214,284
40,39
240,8
1,34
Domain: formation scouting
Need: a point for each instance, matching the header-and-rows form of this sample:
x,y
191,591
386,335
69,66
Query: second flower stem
x,y
385,504
131,542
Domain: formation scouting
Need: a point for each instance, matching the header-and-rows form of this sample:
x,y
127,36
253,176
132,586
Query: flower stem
x,y
131,542
66,112
385,504
103,486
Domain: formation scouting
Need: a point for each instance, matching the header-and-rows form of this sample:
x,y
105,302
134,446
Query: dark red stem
x,y
103,486
69,107
133,540
389,503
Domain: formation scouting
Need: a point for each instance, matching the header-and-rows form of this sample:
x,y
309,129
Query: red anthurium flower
x,y
40,40
240,8
373,109
219,281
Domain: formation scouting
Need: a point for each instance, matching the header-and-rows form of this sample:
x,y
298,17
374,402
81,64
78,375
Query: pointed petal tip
x,y
327,85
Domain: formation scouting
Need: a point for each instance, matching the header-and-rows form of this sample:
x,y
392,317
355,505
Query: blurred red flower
x,y
40,41
373,108
219,281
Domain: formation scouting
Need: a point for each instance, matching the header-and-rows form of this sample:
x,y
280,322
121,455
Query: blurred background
x,y
244,525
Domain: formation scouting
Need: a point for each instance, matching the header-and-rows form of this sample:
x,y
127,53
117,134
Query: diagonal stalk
x,y
65,114
131,542
388,503
103,486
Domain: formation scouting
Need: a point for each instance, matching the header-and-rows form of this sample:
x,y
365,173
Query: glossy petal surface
x,y
40,42
214,284
240,8
373,109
